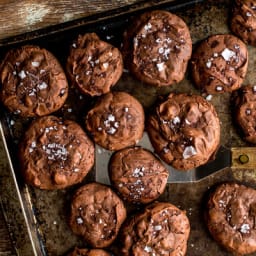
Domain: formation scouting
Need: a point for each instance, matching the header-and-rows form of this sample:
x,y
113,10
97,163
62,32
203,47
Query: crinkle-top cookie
x,y
33,82
219,64
157,47
184,130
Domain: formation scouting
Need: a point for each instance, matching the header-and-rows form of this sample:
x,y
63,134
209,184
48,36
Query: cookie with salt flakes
x,y
55,153
137,174
184,130
96,214
219,64
157,47
230,215
33,82
93,65
160,229
116,121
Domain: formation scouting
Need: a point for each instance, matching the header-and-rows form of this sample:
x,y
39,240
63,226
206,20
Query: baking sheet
x,y
38,219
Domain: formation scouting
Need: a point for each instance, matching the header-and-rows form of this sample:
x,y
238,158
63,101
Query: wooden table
x,y
17,17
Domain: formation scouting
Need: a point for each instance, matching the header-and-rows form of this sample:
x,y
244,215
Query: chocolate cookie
x,y
244,104
137,175
55,154
93,65
32,82
219,64
162,229
184,130
243,20
116,121
157,48
230,217
89,252
96,214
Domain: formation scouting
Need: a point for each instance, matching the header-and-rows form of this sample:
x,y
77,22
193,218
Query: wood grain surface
x,y
17,17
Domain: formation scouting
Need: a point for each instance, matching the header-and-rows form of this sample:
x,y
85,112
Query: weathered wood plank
x,y
17,17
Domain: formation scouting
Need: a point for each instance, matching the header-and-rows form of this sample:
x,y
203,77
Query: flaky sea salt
x,y
248,111
147,249
111,118
116,124
245,228
188,152
135,41
22,74
166,150
105,65
157,228
176,120
161,50
148,26
35,64
209,97
158,40
111,130
219,88
33,144
208,64
42,86
138,172
187,122
79,220
160,66
228,54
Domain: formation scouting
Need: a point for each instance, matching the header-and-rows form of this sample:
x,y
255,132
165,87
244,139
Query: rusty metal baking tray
x,y
38,219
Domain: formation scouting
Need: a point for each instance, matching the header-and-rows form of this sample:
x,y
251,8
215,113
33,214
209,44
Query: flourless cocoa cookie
x,y
161,229
116,121
97,214
88,252
94,66
157,47
219,64
243,20
137,175
55,153
184,130
244,104
33,82
230,217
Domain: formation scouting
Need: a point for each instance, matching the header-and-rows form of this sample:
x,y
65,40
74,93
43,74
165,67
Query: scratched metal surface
x,y
47,211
